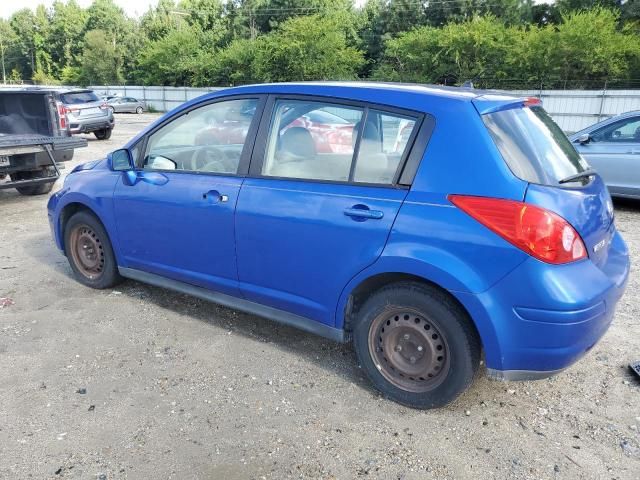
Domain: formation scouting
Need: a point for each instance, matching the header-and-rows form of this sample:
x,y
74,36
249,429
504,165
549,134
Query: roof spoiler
x,y
494,103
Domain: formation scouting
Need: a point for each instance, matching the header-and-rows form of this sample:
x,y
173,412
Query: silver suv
x,y
87,113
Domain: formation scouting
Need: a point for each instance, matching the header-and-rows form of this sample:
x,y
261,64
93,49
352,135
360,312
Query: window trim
x,y
247,149
408,162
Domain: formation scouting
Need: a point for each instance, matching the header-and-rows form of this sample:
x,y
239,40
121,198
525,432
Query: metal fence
x,y
161,99
573,110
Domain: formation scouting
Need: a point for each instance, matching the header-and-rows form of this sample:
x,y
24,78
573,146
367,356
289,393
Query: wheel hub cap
x,y
408,350
87,251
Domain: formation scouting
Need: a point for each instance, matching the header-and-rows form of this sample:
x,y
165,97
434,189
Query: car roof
x,y
400,94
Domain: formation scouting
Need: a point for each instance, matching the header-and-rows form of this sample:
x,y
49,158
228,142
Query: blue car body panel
x,y
288,244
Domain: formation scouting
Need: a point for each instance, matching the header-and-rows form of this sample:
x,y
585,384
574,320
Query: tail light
x,y
537,231
62,116
104,106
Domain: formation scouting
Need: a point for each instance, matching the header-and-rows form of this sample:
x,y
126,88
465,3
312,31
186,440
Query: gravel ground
x,y
143,383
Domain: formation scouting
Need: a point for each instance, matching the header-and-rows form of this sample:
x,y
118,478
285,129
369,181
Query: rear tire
x,y
416,344
89,251
104,134
39,189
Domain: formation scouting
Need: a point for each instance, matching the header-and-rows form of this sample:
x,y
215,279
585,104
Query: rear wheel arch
x,y
376,282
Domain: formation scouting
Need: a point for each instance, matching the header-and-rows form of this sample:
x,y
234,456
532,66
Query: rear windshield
x,y
78,97
534,147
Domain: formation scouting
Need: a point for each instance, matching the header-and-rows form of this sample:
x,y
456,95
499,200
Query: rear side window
x,y
323,141
78,97
533,146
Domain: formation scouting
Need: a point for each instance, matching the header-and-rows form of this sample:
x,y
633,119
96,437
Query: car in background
x,y
126,105
424,247
87,113
612,148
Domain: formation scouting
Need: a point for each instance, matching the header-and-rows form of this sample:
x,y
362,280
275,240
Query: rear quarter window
x,y
533,146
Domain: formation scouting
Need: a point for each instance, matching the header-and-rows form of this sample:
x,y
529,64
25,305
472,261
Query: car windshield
x,y
74,98
533,146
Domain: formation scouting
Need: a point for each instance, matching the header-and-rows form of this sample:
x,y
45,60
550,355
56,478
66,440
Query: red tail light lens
x,y
538,232
62,116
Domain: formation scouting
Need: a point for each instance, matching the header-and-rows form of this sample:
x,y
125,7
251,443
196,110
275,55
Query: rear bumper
x,y
540,319
91,125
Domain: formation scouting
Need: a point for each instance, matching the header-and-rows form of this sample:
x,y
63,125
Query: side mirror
x,y
120,160
584,139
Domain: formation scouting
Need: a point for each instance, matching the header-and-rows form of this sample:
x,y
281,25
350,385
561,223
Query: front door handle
x,y
215,196
362,212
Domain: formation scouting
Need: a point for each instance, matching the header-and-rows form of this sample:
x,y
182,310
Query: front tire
x,y
104,134
416,344
89,251
139,110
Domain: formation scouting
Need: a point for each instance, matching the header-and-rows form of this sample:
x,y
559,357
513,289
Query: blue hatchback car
x,y
426,224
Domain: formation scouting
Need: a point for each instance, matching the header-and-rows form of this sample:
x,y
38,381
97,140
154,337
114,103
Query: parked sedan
x,y
612,147
425,247
126,105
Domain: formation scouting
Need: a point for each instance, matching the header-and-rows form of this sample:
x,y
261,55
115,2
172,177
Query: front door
x,y
313,213
614,151
176,218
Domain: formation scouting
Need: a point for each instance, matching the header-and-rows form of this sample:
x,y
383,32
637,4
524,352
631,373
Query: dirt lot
x,y
143,383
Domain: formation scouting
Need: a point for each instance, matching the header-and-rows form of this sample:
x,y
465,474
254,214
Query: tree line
x,y
494,43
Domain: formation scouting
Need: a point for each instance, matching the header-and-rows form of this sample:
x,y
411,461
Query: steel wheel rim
x,y
87,251
408,350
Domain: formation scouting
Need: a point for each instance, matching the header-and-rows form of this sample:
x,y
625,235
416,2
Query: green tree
x,y
101,62
9,54
68,21
159,21
172,60
308,48
270,14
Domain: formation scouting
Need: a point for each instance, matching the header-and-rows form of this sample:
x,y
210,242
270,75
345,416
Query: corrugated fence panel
x,y
573,110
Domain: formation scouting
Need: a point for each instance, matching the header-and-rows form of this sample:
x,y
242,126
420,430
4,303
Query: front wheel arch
x,y
68,211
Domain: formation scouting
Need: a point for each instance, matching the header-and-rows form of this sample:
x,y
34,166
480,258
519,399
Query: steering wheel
x,y
209,159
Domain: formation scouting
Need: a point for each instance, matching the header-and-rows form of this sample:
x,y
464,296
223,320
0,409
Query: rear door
x,y
309,218
614,151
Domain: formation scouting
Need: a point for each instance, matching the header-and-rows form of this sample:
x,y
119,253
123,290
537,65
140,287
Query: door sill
x,y
277,315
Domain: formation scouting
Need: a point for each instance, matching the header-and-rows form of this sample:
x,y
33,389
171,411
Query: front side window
x,y
208,139
324,141
624,131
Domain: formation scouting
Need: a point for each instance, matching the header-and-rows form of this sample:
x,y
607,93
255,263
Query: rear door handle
x,y
362,212
215,196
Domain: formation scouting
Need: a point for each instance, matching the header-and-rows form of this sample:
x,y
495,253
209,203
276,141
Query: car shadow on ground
x,y
334,357
629,204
